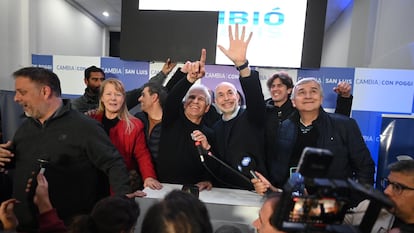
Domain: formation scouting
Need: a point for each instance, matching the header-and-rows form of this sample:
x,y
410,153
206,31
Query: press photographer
x,y
323,203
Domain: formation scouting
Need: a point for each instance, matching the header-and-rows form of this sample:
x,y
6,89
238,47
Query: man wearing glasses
x,y
399,187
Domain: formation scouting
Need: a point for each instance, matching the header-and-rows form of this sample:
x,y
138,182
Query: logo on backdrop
x,y
273,18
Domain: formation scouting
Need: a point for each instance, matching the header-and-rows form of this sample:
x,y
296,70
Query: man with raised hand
x,y
238,135
178,160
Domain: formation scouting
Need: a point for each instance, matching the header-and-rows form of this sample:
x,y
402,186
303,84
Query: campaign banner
x,y
112,67
370,125
329,78
135,75
277,27
216,74
155,67
412,111
71,72
384,90
44,61
395,143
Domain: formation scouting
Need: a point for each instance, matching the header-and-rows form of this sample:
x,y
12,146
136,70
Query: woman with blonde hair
x,y
125,131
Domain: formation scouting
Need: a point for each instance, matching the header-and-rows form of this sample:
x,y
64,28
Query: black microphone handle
x,y
202,151
228,167
200,148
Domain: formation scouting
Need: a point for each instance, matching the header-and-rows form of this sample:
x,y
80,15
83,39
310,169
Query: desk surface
x,y
225,206
214,196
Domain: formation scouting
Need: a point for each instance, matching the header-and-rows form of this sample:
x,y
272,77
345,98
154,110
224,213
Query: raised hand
x,y
195,70
343,89
168,66
238,45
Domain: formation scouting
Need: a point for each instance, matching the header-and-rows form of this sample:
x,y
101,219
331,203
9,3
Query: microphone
x,y
42,164
297,181
202,152
247,166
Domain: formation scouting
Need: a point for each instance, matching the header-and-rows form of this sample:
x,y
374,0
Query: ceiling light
x,y
105,13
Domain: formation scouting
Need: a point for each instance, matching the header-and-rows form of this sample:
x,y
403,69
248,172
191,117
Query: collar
x,y
233,115
283,112
90,94
57,113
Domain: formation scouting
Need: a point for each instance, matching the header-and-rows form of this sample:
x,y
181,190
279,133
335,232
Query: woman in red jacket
x,y
126,131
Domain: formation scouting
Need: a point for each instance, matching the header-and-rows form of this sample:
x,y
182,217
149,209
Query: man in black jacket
x,y
178,159
152,99
76,147
311,126
279,107
238,135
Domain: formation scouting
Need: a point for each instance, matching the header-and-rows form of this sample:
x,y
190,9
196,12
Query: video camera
x,y
322,207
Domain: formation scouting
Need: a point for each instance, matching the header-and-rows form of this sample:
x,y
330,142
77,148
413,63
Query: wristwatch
x,y
246,64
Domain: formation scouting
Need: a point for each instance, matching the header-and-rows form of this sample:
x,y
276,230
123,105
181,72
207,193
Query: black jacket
x,y
338,134
242,138
178,159
152,139
78,150
276,115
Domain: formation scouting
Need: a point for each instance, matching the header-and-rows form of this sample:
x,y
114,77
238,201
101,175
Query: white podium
x,y
225,206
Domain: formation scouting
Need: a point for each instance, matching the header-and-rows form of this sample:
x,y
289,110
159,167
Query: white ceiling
x,y
94,9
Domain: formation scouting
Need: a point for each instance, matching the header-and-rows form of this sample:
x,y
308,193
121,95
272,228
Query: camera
x,y
322,207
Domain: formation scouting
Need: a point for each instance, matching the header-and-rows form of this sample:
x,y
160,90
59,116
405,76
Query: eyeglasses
x,y
397,188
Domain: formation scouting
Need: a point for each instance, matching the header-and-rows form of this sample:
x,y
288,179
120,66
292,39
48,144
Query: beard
x,y
93,91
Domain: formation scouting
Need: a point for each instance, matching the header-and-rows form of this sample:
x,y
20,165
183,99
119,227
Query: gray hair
x,y
226,83
304,81
202,88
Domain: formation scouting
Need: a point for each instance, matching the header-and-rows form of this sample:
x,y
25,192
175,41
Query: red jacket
x,y
132,145
49,222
